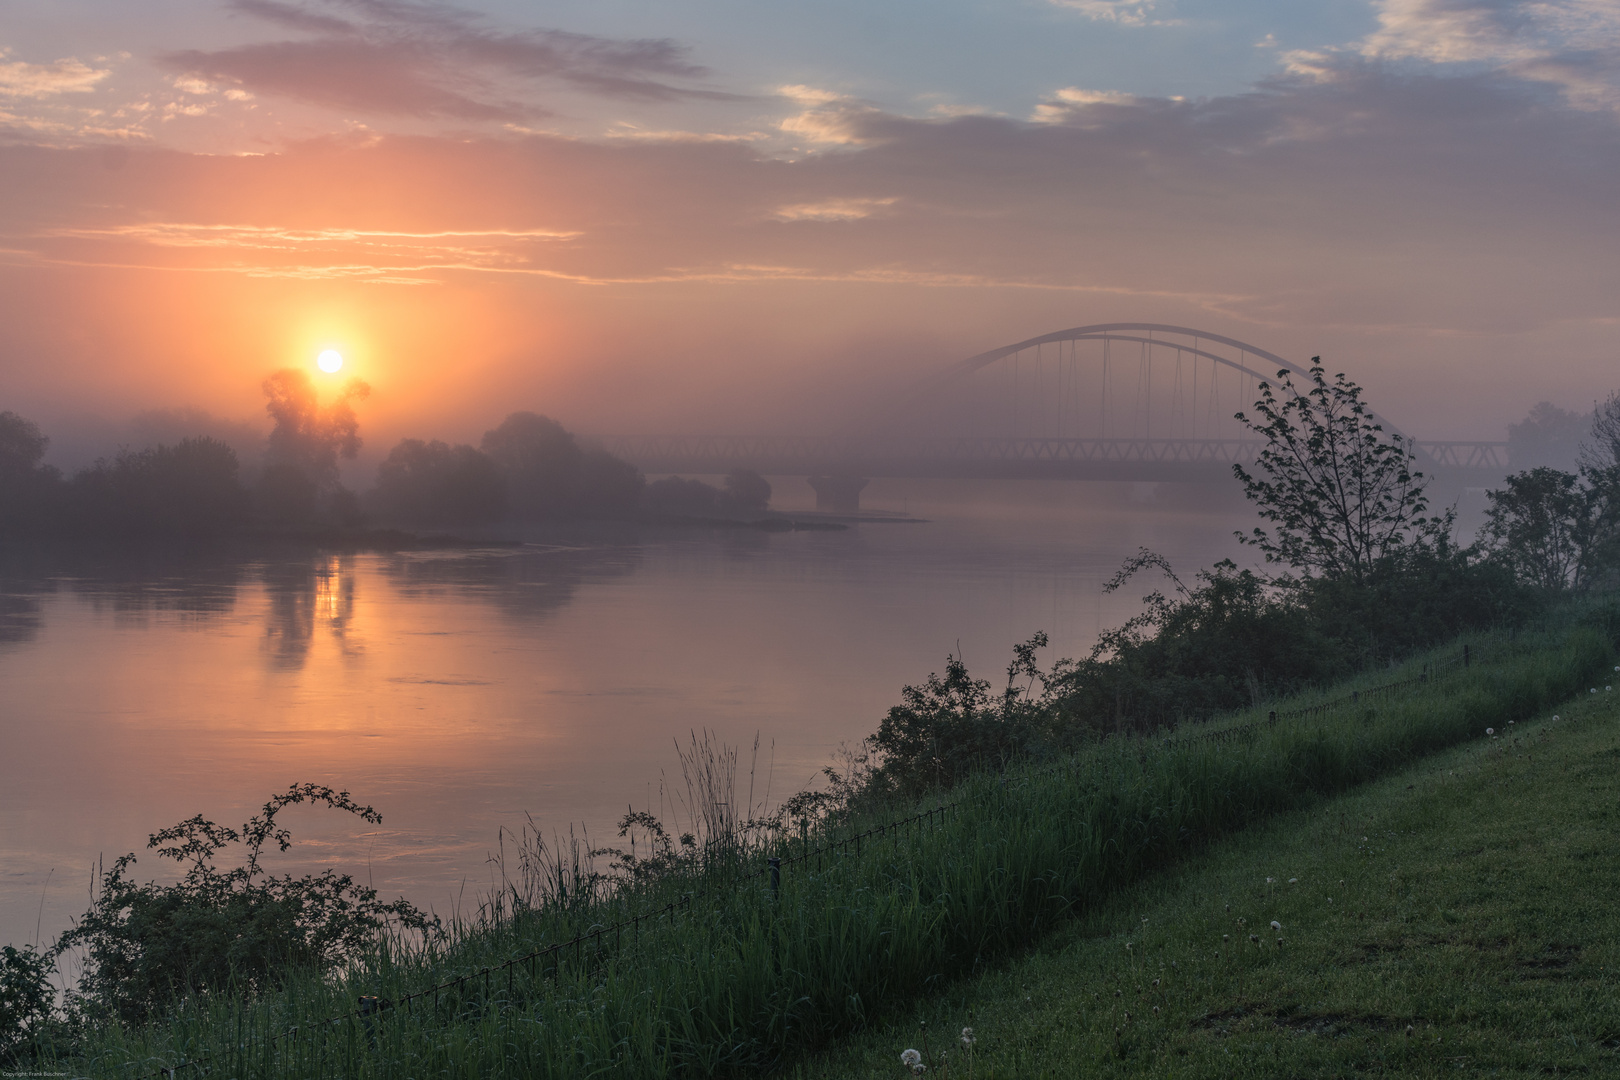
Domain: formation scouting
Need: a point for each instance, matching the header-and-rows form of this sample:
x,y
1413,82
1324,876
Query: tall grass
x,y
725,974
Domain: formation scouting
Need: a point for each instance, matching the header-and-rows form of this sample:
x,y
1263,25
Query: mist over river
x,y
460,691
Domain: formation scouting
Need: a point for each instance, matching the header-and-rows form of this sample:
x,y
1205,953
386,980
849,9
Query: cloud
x,y
834,209
1572,44
1122,12
1064,104
1374,198
19,79
435,61
828,117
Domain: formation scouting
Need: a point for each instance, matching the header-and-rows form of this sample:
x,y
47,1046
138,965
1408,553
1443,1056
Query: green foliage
x,y
26,999
217,931
1556,531
953,725
1454,918
1225,643
742,975
1341,494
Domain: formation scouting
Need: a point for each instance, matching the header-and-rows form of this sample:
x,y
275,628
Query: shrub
x,y
217,931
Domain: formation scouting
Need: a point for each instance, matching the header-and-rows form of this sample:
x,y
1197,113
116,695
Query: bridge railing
x,y
675,453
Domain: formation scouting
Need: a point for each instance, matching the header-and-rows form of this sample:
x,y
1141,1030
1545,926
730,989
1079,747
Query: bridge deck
x,y
1001,458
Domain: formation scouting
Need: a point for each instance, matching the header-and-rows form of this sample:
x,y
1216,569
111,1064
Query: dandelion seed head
x,y
1275,925
1490,731
1293,881
1155,1010
1270,880
909,1058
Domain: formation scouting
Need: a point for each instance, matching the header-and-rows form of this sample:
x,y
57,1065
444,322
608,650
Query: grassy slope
x,y
1474,897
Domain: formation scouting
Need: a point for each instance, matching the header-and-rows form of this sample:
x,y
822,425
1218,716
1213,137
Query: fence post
x,y
776,877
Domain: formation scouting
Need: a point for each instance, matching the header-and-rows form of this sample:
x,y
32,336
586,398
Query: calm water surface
x,y
460,691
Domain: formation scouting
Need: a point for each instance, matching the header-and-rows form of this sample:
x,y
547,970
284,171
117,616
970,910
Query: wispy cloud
x,y
1121,12
20,79
1063,104
834,209
434,60
1573,44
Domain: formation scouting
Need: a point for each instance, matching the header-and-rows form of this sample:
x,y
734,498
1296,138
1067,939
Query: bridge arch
x,y
1119,332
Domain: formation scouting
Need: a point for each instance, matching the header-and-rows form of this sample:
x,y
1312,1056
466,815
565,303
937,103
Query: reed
x,y
706,967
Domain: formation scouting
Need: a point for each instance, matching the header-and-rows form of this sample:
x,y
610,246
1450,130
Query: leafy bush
x,y
217,930
25,999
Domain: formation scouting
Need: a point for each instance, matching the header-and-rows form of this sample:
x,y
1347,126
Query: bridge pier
x,y
838,494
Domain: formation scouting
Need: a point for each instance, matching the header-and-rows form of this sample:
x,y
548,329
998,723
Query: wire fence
x,y
589,947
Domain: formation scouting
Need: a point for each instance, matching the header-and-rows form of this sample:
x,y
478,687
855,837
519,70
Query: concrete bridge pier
x,y
838,494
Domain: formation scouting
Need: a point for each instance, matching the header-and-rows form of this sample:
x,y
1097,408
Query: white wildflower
x,y
967,1039
911,1058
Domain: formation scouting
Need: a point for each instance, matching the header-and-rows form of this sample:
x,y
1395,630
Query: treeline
x,y
529,468
1365,573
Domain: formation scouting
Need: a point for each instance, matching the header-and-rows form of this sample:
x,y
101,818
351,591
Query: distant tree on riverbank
x,y
299,484
27,488
548,474
190,488
433,483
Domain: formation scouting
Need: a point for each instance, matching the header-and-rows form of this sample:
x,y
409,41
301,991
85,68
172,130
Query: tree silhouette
x,y
433,483
301,461
308,435
1341,492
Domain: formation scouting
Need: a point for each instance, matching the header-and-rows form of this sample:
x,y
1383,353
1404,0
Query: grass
x,y
1457,918
741,979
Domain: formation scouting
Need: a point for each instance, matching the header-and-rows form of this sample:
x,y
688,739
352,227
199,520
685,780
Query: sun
x,y
330,361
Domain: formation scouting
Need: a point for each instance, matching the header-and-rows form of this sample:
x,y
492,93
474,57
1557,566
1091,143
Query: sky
x,y
689,215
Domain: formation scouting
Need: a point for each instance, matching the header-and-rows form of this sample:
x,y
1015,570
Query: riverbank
x,y
718,966
1455,917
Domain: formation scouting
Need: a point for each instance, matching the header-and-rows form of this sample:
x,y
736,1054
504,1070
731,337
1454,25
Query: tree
x,y
1548,436
1541,525
548,473
433,483
22,445
27,488
306,434
1341,493
190,487
1601,449
300,477
747,490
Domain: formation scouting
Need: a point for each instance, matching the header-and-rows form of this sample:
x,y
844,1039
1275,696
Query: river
x,y
464,691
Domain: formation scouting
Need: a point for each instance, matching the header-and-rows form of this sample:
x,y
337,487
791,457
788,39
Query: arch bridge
x,y
1112,401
